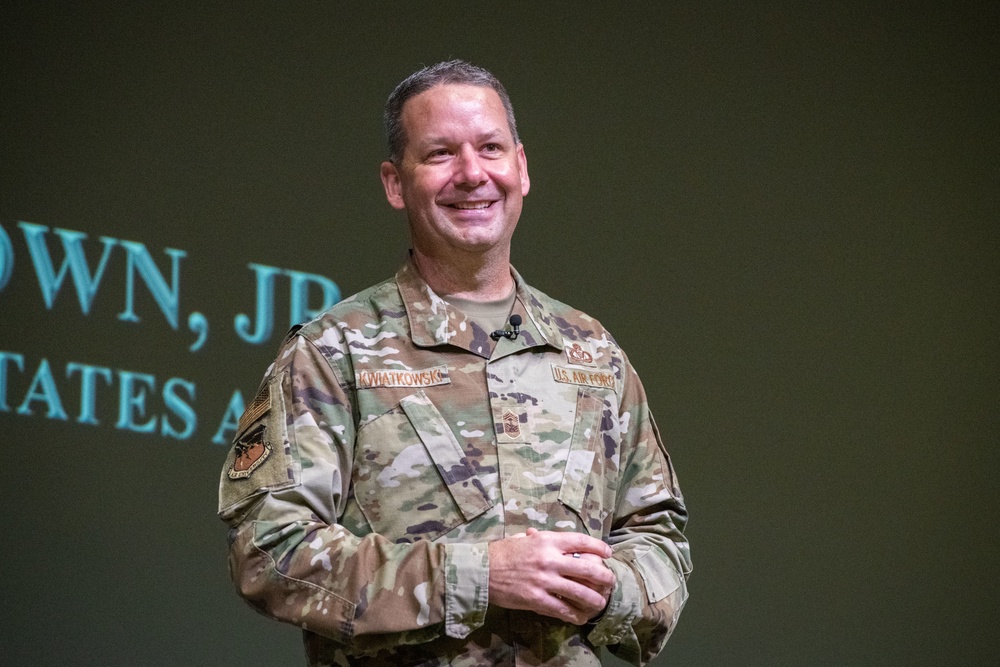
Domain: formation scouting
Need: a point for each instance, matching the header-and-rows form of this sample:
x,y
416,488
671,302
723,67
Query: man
x,y
411,489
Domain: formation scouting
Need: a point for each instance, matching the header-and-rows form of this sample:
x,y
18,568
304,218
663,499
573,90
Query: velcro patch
x,y
600,379
428,377
264,456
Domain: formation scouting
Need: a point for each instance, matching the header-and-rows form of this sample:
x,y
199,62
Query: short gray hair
x,y
450,71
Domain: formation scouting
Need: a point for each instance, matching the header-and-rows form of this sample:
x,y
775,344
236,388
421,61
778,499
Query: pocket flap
x,y
580,460
448,456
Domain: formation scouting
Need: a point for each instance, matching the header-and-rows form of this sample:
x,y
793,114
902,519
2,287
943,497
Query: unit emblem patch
x,y
251,451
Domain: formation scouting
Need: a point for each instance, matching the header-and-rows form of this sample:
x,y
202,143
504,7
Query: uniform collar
x,y
433,321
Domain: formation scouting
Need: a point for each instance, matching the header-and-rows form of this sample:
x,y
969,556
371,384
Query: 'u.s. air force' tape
x,y
587,378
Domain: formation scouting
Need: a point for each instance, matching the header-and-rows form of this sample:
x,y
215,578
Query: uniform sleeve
x,y
284,486
651,558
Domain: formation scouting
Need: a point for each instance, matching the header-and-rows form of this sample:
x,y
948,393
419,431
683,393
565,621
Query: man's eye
x,y
492,148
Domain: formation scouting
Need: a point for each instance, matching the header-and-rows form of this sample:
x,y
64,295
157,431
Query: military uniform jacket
x,y
392,439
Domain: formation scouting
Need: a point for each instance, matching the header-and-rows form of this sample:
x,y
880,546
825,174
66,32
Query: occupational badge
x,y
579,354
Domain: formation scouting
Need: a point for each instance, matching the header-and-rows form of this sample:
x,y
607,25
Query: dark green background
x,y
786,212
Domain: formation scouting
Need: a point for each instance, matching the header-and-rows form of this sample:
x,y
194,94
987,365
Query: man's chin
x,y
476,236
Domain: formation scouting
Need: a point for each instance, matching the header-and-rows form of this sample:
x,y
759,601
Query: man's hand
x,y
538,572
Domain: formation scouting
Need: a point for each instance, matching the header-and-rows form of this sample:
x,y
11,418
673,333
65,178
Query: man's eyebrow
x,y
431,141
427,142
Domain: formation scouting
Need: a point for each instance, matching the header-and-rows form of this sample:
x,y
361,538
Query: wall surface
x,y
787,213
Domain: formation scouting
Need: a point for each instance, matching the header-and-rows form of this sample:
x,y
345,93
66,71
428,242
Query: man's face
x,y
461,178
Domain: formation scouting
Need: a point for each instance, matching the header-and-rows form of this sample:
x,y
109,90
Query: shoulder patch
x,y
251,451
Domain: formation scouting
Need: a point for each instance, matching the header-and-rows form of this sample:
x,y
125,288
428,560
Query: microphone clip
x,y
515,322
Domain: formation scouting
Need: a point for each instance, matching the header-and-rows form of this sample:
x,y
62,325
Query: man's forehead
x,y
448,105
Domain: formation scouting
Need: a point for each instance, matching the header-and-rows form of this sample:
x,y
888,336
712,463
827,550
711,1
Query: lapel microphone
x,y
515,321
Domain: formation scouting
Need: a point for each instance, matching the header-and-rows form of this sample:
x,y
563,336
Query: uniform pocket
x,y
412,479
591,473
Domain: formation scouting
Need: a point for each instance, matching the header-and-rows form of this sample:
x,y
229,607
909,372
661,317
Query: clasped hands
x,y
555,574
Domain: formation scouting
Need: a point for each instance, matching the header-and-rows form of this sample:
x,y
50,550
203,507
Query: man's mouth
x,y
471,205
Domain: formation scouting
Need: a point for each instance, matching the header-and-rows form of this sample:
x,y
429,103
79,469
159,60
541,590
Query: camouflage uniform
x,y
392,439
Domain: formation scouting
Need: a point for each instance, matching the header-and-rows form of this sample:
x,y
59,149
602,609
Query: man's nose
x,y
468,169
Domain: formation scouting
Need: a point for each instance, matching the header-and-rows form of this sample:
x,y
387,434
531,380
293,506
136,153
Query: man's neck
x,y
478,278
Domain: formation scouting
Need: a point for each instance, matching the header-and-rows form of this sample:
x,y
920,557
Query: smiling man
x,y
450,467
461,178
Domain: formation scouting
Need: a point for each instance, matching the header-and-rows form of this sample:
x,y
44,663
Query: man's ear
x,y
392,185
522,167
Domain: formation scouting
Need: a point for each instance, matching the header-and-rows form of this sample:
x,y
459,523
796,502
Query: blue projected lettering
x,y
88,389
6,258
265,307
141,401
4,358
74,261
179,407
136,393
43,388
230,420
299,310
167,298
132,401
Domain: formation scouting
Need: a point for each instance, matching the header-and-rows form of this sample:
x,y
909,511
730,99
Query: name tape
x,y
428,377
